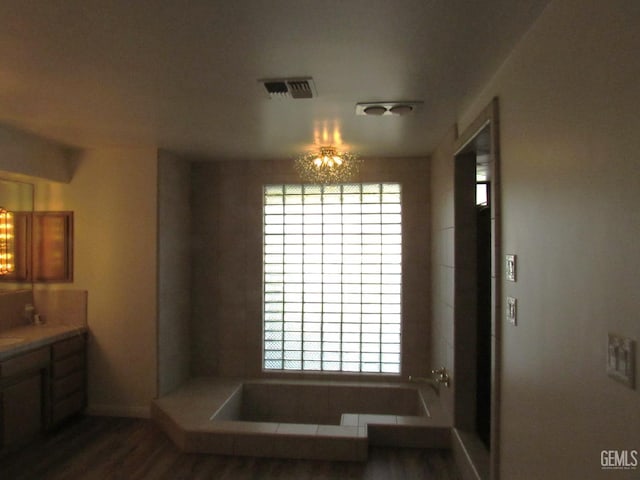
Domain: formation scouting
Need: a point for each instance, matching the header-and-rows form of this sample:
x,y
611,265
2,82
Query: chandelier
x,y
6,242
327,165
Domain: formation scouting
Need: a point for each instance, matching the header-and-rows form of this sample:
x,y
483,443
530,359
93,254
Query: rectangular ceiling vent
x,y
294,88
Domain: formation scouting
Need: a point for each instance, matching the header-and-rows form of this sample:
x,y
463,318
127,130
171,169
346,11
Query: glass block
x,y
371,347
274,239
330,356
351,337
371,338
273,326
387,338
372,208
371,357
351,347
274,219
272,335
330,366
371,198
273,345
331,346
293,189
293,212
333,271
312,208
331,319
312,190
391,358
295,335
390,347
273,364
310,365
390,368
351,357
292,349
311,355
352,188
274,229
312,335
350,366
292,364
273,355
371,367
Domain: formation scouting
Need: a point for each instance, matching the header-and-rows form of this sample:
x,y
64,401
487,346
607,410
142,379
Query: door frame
x,y
487,122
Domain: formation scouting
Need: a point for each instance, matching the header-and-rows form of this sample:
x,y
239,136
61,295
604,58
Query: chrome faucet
x,y
441,376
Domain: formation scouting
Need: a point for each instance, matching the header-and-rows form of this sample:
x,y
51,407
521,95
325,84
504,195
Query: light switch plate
x,y
621,359
512,311
510,267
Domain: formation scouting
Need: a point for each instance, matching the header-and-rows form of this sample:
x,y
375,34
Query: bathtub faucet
x,y
441,376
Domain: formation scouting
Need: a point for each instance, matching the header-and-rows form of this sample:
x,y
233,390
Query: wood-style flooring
x,y
126,449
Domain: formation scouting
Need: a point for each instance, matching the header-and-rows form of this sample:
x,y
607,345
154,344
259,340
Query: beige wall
x,y
114,198
227,232
174,271
569,97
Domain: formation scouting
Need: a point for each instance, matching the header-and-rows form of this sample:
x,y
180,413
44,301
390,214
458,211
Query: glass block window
x,y
332,277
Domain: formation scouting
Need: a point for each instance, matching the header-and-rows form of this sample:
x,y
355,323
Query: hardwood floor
x,y
126,449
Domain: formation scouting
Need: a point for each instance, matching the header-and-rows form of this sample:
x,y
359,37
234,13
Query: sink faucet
x,y
31,315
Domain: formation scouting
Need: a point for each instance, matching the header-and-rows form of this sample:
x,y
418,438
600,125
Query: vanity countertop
x,y
29,337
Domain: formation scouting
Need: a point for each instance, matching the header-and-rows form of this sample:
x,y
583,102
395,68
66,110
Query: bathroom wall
x,y
226,202
174,271
114,198
568,94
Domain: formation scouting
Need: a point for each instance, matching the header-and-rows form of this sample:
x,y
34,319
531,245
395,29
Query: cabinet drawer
x,y
67,407
62,368
24,363
66,386
64,348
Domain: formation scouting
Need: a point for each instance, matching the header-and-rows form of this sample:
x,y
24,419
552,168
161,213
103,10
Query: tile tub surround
x,y
335,420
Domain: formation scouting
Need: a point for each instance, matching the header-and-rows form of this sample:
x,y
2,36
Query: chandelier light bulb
x,y
327,165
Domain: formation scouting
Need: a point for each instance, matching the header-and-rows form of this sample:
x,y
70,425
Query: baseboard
x,y
118,411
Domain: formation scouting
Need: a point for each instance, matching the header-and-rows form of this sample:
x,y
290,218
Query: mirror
x,y
17,197
42,241
52,246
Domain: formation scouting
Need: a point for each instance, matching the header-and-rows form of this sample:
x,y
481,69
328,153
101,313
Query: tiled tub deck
x,y
300,419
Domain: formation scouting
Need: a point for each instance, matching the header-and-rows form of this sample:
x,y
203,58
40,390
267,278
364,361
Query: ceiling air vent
x,y
290,88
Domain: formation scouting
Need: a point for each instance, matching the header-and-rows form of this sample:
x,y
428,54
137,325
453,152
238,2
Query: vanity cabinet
x,y
68,378
23,396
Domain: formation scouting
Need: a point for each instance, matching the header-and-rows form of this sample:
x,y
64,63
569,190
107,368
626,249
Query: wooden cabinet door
x,y
22,410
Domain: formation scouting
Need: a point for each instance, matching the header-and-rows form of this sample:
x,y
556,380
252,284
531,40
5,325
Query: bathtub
x,y
300,419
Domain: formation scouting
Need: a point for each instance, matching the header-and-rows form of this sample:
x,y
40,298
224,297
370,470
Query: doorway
x,y
476,289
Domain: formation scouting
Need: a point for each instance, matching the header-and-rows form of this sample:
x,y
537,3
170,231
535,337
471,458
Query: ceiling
x,y
183,75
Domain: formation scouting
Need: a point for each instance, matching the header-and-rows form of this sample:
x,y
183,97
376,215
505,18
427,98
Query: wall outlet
x,y
512,311
621,359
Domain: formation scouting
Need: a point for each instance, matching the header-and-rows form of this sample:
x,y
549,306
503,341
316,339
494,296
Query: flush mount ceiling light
x,y
6,242
327,165
377,109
